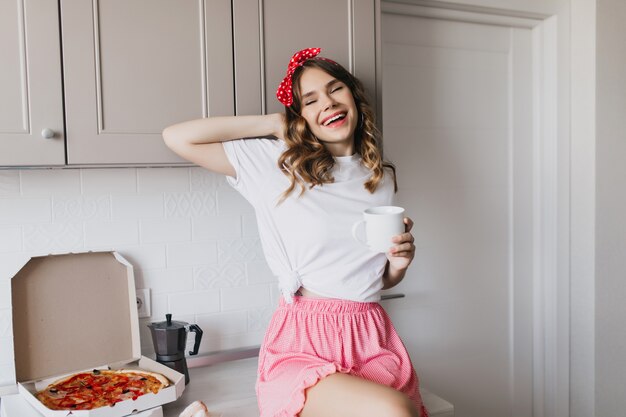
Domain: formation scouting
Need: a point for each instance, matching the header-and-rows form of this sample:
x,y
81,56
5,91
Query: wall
x,y
583,67
610,339
192,239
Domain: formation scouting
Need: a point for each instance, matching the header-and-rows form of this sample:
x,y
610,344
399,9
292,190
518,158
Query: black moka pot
x,y
170,339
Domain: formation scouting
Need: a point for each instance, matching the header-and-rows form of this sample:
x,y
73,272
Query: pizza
x,y
100,388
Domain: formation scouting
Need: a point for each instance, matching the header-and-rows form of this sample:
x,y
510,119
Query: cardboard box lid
x,y
73,312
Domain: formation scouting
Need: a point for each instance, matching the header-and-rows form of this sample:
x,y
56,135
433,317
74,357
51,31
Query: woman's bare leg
x,y
343,395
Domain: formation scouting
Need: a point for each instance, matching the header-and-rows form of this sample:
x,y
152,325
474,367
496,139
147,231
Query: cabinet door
x,y
134,67
269,32
30,84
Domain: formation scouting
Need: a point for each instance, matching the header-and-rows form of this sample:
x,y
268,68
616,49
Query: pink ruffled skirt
x,y
315,337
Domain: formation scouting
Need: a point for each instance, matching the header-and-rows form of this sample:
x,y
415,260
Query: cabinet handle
x,y
47,133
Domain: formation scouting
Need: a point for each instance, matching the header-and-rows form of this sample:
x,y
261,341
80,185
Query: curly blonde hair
x,y
307,161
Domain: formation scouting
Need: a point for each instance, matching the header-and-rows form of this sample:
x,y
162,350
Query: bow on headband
x,y
284,94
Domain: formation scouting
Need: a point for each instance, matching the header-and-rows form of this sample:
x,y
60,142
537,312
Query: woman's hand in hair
x,y
399,256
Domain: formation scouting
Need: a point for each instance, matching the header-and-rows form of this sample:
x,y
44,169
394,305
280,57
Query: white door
x,y
458,124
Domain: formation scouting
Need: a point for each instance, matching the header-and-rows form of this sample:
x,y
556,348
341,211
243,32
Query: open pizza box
x,y
77,312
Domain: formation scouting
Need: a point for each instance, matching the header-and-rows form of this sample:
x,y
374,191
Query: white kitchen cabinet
x,y
133,67
30,84
118,71
106,76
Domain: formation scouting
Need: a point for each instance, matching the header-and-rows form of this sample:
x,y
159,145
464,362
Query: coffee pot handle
x,y
196,345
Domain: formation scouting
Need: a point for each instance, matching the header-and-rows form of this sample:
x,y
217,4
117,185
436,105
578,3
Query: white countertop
x,y
226,388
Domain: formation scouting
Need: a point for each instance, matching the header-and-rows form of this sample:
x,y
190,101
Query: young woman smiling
x,y
330,348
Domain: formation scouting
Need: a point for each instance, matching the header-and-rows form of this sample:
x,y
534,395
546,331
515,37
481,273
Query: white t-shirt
x,y
307,240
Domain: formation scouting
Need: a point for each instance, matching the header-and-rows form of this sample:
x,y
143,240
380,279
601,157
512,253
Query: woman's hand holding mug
x,y
401,255
387,231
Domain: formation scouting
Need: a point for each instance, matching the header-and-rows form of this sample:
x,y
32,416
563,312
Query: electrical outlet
x,y
143,303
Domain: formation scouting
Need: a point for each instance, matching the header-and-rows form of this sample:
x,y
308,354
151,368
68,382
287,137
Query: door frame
x,y
551,189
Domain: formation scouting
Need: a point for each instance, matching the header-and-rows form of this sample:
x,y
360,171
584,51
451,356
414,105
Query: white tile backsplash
x,y
137,206
53,237
81,208
230,201
106,234
5,294
7,374
216,227
170,223
38,182
249,225
274,295
231,341
221,324
259,273
9,183
196,302
165,230
243,298
220,276
10,263
151,180
14,211
181,254
6,352
5,324
10,239
205,181
259,318
148,255
190,204
109,181
147,348
160,307
240,250
170,280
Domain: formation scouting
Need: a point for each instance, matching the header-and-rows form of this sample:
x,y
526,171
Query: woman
x,y
330,349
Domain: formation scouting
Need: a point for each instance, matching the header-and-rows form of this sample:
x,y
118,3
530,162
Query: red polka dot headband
x,y
284,94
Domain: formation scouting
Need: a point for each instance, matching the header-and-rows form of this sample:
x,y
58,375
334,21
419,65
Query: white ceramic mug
x,y
381,224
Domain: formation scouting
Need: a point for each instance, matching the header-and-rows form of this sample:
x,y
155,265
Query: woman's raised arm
x,y
200,141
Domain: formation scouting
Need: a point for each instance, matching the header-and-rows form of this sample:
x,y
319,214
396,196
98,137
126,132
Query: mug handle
x,y
355,230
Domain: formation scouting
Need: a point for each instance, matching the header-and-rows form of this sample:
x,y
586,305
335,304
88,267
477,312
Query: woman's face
x,y
329,110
